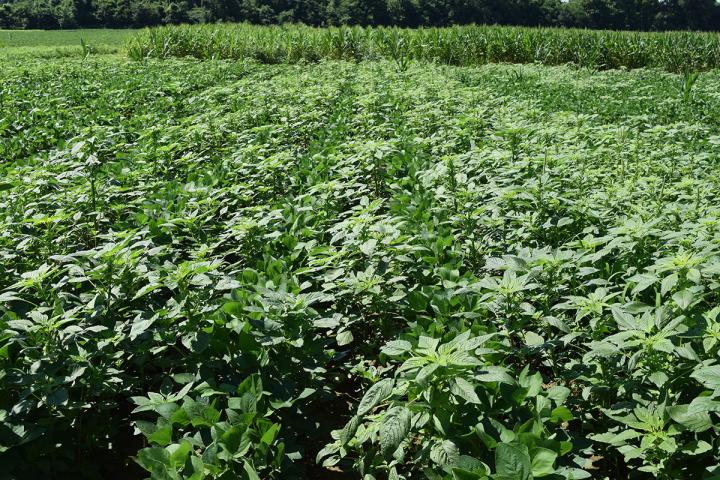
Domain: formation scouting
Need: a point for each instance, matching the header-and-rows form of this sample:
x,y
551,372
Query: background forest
x,y
606,14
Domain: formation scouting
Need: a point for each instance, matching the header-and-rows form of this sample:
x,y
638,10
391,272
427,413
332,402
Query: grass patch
x,y
59,38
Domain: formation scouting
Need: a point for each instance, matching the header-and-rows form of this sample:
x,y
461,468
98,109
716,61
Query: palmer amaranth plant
x,y
380,270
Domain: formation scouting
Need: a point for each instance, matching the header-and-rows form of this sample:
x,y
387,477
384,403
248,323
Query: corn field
x,y
460,46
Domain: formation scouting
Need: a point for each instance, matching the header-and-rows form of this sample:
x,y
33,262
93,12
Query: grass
x,y
17,44
60,38
462,46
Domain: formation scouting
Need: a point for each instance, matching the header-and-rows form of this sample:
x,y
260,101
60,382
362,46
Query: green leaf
x,y
393,475
469,468
445,453
198,468
465,390
462,359
139,327
708,376
703,404
695,422
423,376
624,320
543,461
565,221
375,394
394,429
348,432
558,393
697,447
58,398
418,302
166,409
616,439
658,378
250,471
154,459
668,283
684,299
561,414
462,474
162,436
694,275
428,344
643,281
513,460
532,339
201,415
269,436
491,373
396,347
533,383
234,440
179,453
368,247
344,338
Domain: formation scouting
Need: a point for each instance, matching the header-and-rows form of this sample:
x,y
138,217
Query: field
x,y
56,38
60,43
461,46
373,269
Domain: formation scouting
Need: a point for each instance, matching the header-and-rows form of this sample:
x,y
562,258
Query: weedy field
x,y
374,270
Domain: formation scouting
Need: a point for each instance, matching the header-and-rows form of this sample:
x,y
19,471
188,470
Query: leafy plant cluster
x,y
217,270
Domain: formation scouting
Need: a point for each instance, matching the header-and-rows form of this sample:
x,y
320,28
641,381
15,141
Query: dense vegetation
x,y
604,14
462,46
378,270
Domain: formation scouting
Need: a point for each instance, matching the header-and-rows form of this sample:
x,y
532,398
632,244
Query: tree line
x,y
606,14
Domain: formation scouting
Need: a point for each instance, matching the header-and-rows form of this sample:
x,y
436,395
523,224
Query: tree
x,y
362,12
608,14
146,14
66,14
175,13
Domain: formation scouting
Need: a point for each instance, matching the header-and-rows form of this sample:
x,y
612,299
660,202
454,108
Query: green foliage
x,y
464,46
605,14
391,269
449,409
